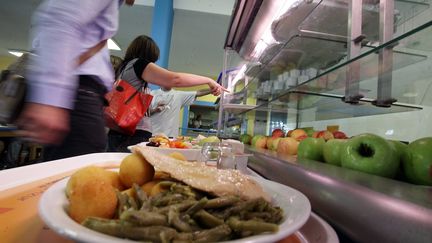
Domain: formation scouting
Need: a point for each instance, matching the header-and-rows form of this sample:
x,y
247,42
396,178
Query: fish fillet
x,y
198,175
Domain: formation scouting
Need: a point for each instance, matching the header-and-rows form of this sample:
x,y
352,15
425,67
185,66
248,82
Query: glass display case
x,y
360,66
302,77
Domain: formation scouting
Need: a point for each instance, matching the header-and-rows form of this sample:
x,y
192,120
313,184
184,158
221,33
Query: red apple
x,y
339,135
287,146
298,133
301,137
325,134
269,142
277,133
289,133
275,144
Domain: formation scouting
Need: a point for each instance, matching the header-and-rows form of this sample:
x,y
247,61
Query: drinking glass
x,y
210,153
226,159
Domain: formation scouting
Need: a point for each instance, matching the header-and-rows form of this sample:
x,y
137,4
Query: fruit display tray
x,y
367,208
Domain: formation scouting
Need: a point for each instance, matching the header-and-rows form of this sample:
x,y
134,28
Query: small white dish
x,y
192,154
53,204
316,230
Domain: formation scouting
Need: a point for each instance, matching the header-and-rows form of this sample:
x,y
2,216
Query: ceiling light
x,y
16,53
112,45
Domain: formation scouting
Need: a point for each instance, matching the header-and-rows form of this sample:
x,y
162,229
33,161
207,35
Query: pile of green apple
x,y
373,154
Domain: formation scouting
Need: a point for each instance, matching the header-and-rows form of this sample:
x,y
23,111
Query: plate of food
x,y
188,147
193,203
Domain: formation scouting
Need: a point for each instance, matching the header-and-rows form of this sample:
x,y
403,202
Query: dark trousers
x,y
118,142
87,124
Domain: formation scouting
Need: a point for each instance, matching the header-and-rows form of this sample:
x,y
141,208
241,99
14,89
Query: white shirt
x,y
168,120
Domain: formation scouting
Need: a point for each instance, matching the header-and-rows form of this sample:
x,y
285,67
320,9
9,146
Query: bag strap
x,y
90,52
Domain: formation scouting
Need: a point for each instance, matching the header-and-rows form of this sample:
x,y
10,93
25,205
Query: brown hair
x,y
116,62
142,47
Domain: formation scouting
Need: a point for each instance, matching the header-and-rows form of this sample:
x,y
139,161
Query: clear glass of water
x,y
210,153
226,159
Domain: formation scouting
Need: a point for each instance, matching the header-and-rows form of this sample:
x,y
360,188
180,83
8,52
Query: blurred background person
x,y
170,102
138,68
65,100
196,122
116,61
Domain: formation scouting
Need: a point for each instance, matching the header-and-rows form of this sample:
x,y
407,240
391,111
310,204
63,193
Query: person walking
x,y
64,105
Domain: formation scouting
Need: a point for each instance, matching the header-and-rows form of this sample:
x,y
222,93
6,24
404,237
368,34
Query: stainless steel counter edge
x,y
365,207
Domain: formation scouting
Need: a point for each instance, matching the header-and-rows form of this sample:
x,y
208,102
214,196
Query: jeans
x,y
87,123
118,142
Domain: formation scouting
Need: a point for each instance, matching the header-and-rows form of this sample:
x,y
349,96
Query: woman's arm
x,y
165,78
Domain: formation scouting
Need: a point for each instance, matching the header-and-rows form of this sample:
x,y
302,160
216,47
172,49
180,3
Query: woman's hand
x,y
44,124
216,88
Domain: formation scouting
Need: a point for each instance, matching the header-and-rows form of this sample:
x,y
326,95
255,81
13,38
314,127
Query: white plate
x,y
53,202
192,154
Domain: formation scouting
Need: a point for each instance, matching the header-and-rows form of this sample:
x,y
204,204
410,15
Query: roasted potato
x,y
135,169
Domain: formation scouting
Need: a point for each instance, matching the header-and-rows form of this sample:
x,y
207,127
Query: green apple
x,y
417,161
400,149
254,139
370,153
332,150
309,130
311,148
245,138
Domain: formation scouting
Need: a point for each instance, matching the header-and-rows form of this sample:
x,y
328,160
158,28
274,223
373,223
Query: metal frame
x,y
384,89
354,47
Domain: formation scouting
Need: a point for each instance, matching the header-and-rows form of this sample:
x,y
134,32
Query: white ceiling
x,y
199,30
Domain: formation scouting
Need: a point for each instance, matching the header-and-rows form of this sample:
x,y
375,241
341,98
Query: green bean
x,y
277,214
140,194
166,183
221,202
251,225
198,206
207,219
168,199
184,236
262,205
122,202
144,218
179,206
151,233
175,221
218,233
182,189
132,203
165,237
265,216
242,207
106,226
